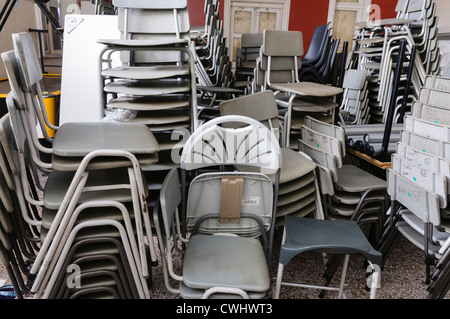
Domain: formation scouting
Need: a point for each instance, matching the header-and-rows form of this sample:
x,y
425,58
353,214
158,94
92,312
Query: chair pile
x,y
246,60
155,81
354,105
378,52
318,62
349,192
91,211
279,65
418,180
215,79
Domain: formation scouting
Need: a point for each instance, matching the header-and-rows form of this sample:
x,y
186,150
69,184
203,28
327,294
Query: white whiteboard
x,y
80,77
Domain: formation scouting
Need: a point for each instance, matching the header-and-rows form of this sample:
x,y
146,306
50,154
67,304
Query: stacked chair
x,y
418,181
378,51
349,192
319,61
281,60
93,212
298,193
215,79
246,63
154,81
354,106
229,215
368,138
19,231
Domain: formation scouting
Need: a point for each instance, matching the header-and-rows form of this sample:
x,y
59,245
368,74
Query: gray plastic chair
x,y
326,236
287,48
154,79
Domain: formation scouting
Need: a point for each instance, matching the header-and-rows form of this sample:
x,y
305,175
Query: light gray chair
x,y
282,51
244,205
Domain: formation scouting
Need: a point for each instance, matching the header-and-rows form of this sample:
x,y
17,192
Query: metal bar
x,y
341,80
5,18
392,104
50,17
408,83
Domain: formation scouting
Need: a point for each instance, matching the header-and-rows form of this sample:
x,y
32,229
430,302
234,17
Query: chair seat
x,y
384,22
417,239
147,72
329,236
148,87
307,104
354,179
72,163
210,261
168,41
307,88
79,139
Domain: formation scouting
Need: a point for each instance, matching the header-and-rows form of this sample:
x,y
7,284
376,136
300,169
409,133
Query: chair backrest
x,y
28,59
292,43
30,75
426,144
417,199
427,112
426,160
15,76
437,83
170,198
323,142
327,129
427,128
434,97
429,180
154,20
213,145
260,106
228,200
324,159
317,43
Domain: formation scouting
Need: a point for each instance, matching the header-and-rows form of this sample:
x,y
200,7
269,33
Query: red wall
x,y
387,8
305,15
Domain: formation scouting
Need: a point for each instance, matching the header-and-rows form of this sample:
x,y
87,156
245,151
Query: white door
x,y
252,16
344,14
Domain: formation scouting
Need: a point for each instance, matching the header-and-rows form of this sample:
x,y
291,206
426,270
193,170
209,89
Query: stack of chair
x,y
298,193
440,285
216,81
349,191
419,177
93,204
281,60
354,105
378,50
19,223
245,66
154,83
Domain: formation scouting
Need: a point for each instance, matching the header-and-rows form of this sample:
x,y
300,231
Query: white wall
x,y
21,19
